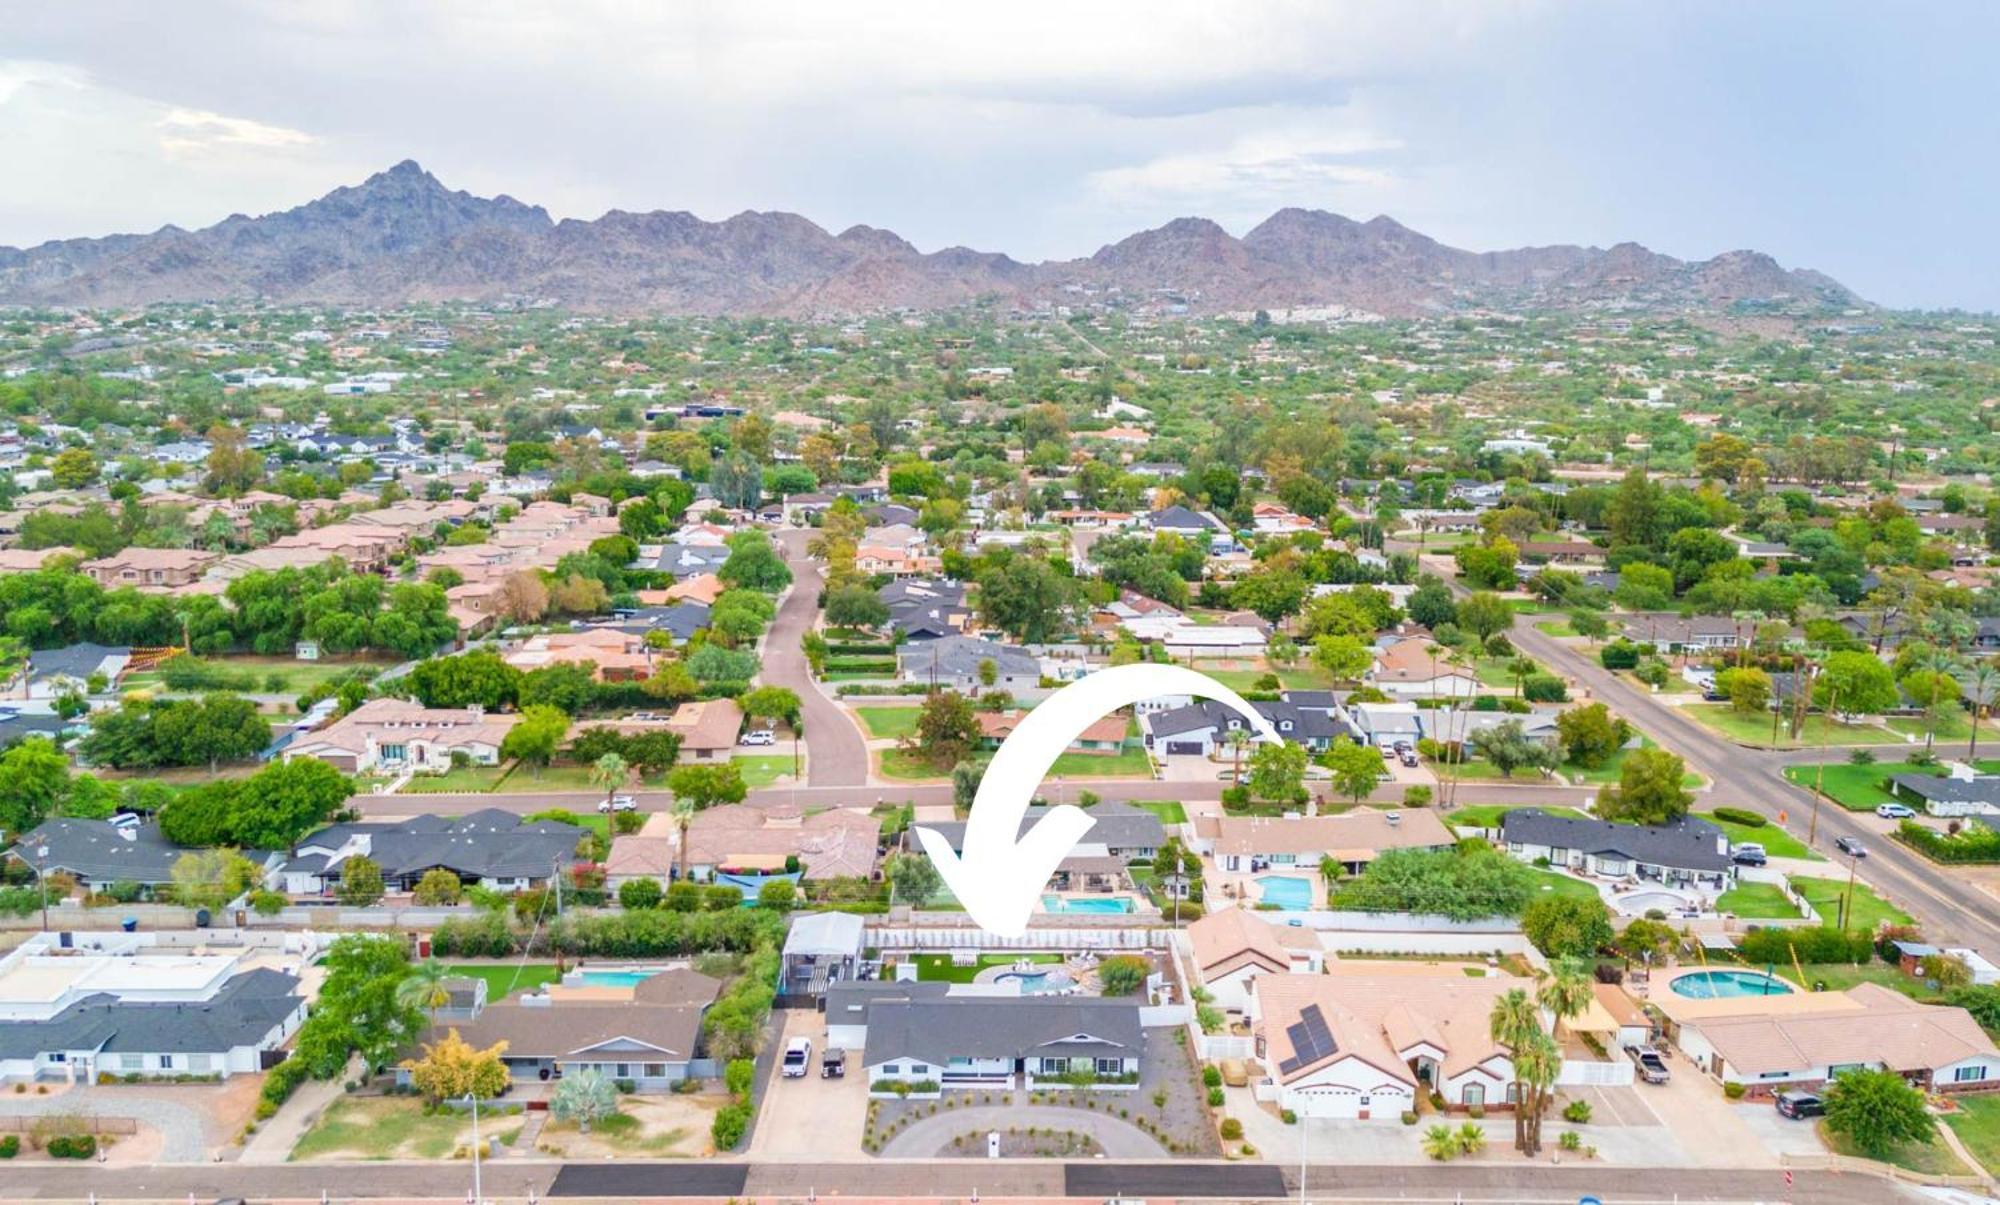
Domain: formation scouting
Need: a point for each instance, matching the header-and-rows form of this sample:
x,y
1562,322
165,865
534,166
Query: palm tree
x,y
1238,741
1566,992
1521,668
1981,682
1513,1023
425,987
609,772
1537,1061
683,814
1440,1142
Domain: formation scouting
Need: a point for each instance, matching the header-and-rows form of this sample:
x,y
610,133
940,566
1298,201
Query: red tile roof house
x,y
1105,737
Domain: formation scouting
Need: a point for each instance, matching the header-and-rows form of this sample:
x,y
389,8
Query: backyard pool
x,y
1712,985
1639,903
1287,892
1100,905
1038,983
629,978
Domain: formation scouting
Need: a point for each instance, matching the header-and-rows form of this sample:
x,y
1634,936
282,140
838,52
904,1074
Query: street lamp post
x,y
478,1197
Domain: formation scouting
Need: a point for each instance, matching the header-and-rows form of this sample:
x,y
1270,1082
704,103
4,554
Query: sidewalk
x,y
274,1139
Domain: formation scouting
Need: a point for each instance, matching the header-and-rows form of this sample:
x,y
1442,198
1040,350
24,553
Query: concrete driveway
x,y
811,1118
836,755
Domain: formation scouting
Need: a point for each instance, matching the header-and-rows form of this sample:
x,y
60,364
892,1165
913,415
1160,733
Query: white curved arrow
x,y
1000,872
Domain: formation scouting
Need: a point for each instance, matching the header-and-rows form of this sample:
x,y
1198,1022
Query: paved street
x,y
936,1180
836,754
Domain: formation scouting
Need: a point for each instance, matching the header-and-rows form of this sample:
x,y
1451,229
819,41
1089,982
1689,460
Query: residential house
x,y
1104,737
648,1034
1690,853
955,663
151,568
396,734
1003,1042
739,838
923,609
1365,1046
1232,946
52,673
1250,844
1419,668
707,728
97,853
225,1030
1117,830
1803,1040
492,848
614,654
1696,633
1182,521
1960,791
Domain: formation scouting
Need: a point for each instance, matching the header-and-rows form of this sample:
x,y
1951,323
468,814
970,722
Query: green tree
x,y
1355,768
1563,926
1485,615
73,469
1026,597
1747,688
1878,1111
947,729
638,894
428,985
361,882
1507,747
438,886
1344,658
1278,770
1515,1022
1855,683
856,607
536,736
610,772
771,703
478,678
915,878
1431,603
1650,789
708,784
753,564
210,878
34,780
584,1098
1591,735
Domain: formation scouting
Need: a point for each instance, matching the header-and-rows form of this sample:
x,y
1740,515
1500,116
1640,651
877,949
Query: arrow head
x,y
1000,885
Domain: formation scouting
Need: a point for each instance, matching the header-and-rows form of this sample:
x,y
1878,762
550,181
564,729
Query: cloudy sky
x,y
1855,138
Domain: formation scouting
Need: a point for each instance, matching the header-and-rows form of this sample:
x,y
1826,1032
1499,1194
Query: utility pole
x,y
42,881
478,1197
1819,767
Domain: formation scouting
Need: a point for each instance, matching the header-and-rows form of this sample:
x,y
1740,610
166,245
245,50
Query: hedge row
x,y
1973,843
642,933
1742,816
1808,943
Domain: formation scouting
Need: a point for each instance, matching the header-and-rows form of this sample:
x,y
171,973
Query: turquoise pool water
x,y
1712,985
1037,983
1288,892
615,978
1093,905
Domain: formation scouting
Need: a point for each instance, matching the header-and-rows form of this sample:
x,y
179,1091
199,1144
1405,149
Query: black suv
x,y
1800,1105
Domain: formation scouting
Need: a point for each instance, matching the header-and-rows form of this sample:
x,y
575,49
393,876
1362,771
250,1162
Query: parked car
x,y
1652,1068
798,1058
1894,811
759,736
1748,853
833,1064
1800,1105
618,803
1407,756
1851,847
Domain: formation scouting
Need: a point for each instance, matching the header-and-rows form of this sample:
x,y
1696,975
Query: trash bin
x,y
201,918
130,924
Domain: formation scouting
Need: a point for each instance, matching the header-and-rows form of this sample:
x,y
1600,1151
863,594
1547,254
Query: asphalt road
x,y
836,755
961,1179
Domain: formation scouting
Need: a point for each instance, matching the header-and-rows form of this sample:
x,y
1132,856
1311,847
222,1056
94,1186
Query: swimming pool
x,y
1640,902
1038,983
1102,905
1288,892
1712,985
616,978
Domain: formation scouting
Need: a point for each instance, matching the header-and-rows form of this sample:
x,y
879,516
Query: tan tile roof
x,y
1231,938
832,844
1355,836
1880,1026
1410,661
1376,1019
710,724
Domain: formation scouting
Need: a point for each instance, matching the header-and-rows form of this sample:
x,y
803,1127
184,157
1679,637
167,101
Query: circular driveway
x,y
924,1139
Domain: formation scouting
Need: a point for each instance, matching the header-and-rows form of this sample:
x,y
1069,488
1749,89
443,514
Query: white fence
x,y
1608,1074
970,937
1214,1046
1390,922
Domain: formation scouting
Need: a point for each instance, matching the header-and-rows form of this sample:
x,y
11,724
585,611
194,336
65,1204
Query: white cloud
x,y
1253,175
184,131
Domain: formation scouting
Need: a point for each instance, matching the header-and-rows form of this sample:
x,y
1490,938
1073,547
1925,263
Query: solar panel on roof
x,y
1311,1039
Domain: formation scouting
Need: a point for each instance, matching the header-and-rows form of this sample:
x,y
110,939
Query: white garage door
x,y
1329,1102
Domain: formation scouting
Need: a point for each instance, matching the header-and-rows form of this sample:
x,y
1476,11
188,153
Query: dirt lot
x,y
649,1126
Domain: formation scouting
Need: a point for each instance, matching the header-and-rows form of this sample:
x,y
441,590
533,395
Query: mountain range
x,y
402,236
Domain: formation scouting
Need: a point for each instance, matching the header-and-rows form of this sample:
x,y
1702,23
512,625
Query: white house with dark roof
x,y
1003,1041
1691,853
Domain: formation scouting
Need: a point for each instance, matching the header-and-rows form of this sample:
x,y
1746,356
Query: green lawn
x,y
273,675
1615,766
1952,724
504,978
1129,762
891,723
471,779
391,1127
1775,840
1932,1159
1562,884
1870,910
762,769
905,766
1859,788
1976,1121
1170,811
1559,628
1757,901
1756,729
1839,976
1487,815
939,966
528,779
